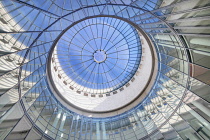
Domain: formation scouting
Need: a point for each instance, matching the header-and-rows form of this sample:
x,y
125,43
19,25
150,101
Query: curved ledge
x,y
120,109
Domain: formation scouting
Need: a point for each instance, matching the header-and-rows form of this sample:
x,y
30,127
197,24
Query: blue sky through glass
x,y
117,43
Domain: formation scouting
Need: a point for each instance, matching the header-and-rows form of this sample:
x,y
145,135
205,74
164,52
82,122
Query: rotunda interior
x,y
105,69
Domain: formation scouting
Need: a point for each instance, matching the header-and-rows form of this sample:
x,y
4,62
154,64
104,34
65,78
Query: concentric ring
x,y
98,55
108,101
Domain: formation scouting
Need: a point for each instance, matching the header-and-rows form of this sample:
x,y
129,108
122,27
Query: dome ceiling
x,y
99,69
98,55
109,84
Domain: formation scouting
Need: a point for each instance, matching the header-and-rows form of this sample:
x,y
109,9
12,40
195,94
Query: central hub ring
x,y
99,56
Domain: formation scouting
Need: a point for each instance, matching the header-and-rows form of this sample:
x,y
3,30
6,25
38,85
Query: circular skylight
x,y
98,55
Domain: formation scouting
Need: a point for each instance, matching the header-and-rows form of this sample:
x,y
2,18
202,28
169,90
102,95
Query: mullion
x,y
86,81
82,72
112,34
90,75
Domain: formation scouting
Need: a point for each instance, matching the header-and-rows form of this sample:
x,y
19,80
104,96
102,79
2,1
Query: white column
x,y
165,37
57,118
104,130
200,41
97,131
201,119
202,108
190,136
62,121
137,119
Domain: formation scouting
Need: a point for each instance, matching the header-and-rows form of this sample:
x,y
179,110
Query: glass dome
x,y
101,72
172,104
98,55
